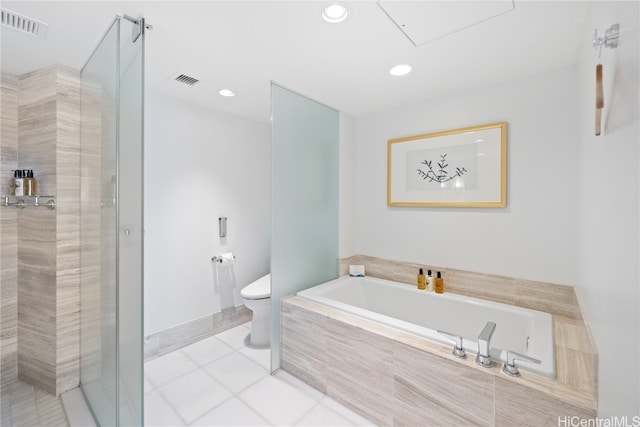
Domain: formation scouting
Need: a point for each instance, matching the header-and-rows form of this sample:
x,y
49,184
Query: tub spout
x,y
484,339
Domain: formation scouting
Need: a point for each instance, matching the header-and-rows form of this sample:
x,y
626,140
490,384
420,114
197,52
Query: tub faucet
x,y
458,350
484,338
510,367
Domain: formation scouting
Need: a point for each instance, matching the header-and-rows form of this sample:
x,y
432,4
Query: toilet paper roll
x,y
225,259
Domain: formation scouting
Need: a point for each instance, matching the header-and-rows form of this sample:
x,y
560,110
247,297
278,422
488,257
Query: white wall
x,y
201,164
572,213
608,204
347,185
534,237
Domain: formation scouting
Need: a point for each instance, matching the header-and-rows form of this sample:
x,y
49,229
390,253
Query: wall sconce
x,y
610,40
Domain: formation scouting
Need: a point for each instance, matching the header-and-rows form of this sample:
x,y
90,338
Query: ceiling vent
x,y
188,80
24,24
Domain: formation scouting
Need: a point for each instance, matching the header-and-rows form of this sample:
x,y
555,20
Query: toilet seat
x,y
260,289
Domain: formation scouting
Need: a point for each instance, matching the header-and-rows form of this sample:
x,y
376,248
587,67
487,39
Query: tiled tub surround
x,y
421,313
396,378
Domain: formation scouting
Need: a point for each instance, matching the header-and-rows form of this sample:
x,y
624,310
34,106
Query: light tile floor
x,y
220,381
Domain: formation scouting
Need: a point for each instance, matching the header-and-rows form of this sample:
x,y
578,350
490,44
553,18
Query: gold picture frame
x,y
464,167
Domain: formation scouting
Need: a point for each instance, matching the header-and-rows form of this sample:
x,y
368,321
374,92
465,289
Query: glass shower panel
x,y
130,225
305,154
98,336
111,355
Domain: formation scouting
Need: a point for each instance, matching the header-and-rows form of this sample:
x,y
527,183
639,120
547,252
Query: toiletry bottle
x,y
12,184
421,280
27,183
439,284
32,184
429,281
19,184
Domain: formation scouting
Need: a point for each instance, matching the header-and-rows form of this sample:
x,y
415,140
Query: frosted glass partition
x,y
304,239
111,352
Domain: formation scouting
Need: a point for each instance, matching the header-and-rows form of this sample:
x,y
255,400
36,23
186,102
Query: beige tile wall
x,y
37,127
9,232
549,297
40,247
68,230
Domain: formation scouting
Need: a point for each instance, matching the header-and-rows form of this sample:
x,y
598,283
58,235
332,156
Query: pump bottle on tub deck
x,y
439,284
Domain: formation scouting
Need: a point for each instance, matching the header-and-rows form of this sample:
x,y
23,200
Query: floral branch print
x,y
440,174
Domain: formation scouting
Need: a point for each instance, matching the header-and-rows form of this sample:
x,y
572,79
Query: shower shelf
x,y
29,201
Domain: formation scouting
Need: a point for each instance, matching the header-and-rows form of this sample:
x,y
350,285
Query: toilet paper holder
x,y
223,258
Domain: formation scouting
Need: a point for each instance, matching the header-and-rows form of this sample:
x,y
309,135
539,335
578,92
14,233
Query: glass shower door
x,y
111,226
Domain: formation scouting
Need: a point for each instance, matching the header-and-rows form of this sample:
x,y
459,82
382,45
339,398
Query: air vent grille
x,y
188,80
24,24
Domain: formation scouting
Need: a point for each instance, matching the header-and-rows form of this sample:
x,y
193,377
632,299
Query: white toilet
x,y
257,298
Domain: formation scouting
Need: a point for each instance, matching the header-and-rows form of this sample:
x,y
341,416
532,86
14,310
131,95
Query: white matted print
x,y
460,168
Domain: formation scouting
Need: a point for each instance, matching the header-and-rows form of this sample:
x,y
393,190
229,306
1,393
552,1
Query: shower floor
x,y
220,381
26,405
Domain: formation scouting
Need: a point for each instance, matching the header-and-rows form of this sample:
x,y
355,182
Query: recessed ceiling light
x,y
227,92
335,12
400,70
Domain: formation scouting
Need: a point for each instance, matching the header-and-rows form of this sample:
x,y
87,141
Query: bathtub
x,y
424,313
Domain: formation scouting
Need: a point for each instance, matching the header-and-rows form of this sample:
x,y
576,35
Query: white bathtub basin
x,y
423,313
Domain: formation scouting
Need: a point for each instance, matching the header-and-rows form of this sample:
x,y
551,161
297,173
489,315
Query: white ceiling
x,y
245,45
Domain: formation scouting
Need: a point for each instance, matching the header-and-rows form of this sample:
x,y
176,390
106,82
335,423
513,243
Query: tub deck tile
x,y
360,371
304,345
429,390
430,415
517,404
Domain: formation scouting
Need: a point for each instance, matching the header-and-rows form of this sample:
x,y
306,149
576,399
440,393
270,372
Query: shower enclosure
x,y
111,200
305,137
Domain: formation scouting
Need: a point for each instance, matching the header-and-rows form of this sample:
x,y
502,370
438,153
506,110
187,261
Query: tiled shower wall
x,y
8,230
40,247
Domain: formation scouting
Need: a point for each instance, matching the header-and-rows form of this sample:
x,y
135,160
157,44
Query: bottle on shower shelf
x,y
429,281
31,184
12,184
19,183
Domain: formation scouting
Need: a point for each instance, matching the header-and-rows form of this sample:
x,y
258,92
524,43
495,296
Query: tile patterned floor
x,y
26,405
220,381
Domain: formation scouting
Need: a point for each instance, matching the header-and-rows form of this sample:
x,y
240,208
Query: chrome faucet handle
x,y
458,350
510,367
483,357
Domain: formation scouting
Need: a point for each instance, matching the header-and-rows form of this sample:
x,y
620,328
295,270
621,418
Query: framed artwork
x,y
456,168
